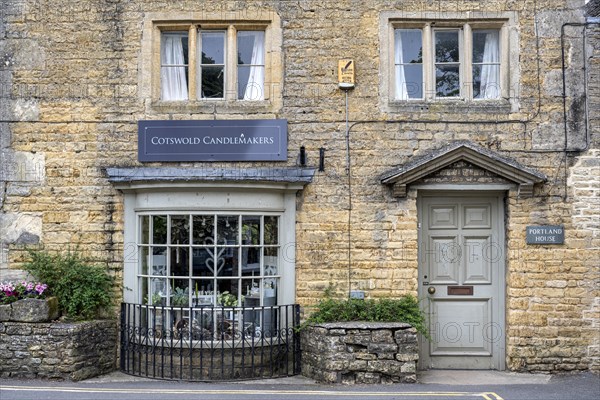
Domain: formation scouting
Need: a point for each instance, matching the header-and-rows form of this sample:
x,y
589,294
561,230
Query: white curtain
x,y
401,91
255,89
173,80
490,70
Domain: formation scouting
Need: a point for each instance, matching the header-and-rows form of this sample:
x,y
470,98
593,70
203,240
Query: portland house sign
x,y
545,234
232,140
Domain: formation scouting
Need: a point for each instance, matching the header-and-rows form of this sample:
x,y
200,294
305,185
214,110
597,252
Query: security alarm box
x,y
346,74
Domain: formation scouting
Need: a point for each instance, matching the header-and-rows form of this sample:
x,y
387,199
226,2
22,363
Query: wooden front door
x,y
461,280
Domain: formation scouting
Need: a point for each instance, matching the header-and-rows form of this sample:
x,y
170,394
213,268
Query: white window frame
x,y
147,275
230,66
243,199
200,65
431,85
149,83
465,65
428,22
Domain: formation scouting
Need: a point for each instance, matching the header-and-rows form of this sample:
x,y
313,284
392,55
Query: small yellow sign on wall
x,y
346,74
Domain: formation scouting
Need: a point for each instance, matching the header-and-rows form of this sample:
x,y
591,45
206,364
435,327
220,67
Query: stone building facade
x,y
379,192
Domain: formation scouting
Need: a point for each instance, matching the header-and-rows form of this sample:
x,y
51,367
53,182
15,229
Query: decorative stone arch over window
x,y
430,163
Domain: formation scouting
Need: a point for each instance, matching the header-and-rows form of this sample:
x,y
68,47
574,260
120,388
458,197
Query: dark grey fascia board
x,y
121,176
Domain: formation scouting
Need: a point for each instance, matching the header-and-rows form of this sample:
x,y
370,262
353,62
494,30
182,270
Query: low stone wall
x,y
65,351
359,352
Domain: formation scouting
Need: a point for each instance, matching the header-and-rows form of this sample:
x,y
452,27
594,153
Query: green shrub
x,y
83,289
405,309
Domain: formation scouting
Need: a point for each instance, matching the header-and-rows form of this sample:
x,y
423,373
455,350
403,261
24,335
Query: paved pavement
x,y
438,385
460,377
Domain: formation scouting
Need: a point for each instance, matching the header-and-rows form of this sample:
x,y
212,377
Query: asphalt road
x,y
560,387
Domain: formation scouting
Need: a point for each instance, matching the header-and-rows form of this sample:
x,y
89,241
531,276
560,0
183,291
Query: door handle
x,y
431,289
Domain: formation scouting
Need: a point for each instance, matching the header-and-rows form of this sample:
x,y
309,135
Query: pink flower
x,y
7,287
40,287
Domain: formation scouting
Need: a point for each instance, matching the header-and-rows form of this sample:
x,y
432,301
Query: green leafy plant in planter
x,y
83,289
227,299
404,309
155,300
180,297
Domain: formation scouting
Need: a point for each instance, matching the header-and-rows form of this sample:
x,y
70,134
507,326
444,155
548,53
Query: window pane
x,y
144,260
227,261
485,46
270,291
486,68
250,291
271,230
251,83
203,292
204,229
447,81
446,46
180,261
271,261
410,47
180,292
413,76
174,48
476,81
180,229
159,261
251,229
230,298
174,61
213,47
409,68
227,229
251,261
486,81
211,82
144,294
250,46
145,229
158,290
159,229
251,61
203,262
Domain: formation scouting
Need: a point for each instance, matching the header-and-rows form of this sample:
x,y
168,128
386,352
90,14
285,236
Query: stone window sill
x,y
450,107
213,106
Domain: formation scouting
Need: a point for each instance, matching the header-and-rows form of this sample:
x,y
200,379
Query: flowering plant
x,y
11,292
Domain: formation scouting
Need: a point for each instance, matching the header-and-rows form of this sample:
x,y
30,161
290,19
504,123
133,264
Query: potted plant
x,y
155,299
27,302
180,297
227,299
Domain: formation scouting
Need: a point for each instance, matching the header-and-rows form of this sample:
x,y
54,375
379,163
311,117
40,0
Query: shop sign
x,y
231,140
547,234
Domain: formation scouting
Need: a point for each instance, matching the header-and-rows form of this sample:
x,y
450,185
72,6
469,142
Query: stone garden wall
x,y
359,352
65,351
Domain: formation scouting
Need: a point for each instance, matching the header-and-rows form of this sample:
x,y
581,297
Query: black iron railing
x,y
210,343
